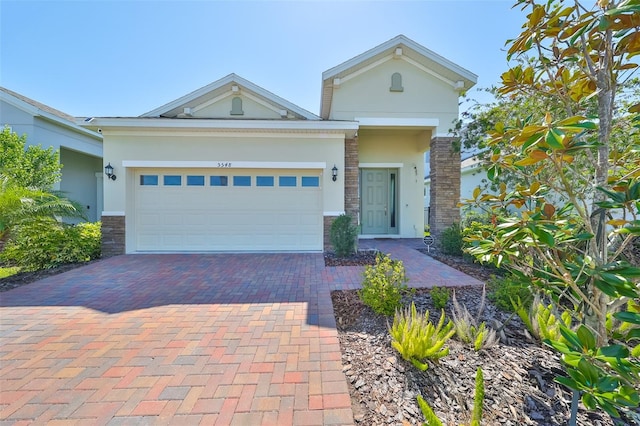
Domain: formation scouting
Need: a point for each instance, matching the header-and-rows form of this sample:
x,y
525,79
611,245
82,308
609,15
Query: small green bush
x,y
543,321
344,236
451,240
430,418
417,339
46,244
439,297
383,285
502,290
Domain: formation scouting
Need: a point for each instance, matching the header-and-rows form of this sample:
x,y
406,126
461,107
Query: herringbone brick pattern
x,y
183,339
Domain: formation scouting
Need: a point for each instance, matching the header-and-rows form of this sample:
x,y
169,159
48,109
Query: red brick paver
x,y
185,339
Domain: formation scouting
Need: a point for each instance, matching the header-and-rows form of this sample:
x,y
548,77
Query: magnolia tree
x,y
575,202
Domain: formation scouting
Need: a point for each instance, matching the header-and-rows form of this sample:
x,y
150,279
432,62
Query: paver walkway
x,y
239,339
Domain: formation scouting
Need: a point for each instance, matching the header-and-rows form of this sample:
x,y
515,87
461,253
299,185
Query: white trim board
x,y
381,165
332,213
224,164
114,213
397,122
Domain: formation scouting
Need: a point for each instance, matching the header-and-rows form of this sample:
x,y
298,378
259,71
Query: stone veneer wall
x,y
445,184
351,188
113,240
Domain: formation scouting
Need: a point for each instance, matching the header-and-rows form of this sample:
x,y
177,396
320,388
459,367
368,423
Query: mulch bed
x,y
361,258
23,278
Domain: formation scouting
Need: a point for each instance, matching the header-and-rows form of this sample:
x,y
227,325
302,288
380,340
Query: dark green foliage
x,y
45,244
504,290
383,285
344,236
439,297
29,167
451,240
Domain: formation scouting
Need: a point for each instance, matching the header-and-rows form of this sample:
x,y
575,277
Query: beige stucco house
x,y
234,167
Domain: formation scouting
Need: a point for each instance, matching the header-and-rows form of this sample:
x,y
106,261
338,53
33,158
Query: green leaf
x,y
626,316
554,139
615,351
587,339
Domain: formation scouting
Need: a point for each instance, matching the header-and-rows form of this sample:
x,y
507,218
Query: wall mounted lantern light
x,y
108,170
334,173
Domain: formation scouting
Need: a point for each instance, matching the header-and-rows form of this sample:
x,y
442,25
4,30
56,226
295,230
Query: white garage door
x,y
225,210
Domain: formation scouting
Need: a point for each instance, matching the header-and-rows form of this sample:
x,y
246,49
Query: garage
x,y
226,209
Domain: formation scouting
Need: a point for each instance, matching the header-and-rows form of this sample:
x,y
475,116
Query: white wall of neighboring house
x,y
80,149
471,176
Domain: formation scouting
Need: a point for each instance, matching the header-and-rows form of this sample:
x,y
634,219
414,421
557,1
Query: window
x,y
310,181
242,181
149,180
264,181
218,180
287,181
194,180
172,180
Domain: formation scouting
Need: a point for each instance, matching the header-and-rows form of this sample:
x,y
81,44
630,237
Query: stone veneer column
x,y
445,184
351,188
113,240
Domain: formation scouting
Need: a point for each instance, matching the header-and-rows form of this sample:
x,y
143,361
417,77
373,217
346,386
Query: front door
x,y
378,197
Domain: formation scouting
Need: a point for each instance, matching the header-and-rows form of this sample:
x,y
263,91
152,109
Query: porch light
x,y
334,173
108,170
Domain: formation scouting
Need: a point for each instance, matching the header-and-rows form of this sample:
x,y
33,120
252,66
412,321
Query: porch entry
x,y
379,200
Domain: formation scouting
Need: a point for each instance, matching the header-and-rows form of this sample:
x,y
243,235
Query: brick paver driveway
x,y
243,339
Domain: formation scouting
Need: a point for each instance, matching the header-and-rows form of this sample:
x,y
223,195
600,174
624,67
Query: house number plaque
x,y
224,165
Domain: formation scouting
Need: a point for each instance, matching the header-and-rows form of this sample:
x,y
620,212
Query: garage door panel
x,y
201,218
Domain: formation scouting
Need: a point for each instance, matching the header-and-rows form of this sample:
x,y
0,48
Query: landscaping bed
x,y
519,373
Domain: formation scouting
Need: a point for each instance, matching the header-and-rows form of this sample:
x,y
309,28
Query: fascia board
x,y
232,78
194,123
390,44
37,112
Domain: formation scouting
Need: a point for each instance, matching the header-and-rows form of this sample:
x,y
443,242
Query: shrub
x,y
542,321
344,236
46,244
429,416
502,290
417,339
383,285
469,329
440,297
451,240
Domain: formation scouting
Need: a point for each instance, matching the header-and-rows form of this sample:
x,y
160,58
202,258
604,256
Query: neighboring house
x,y
80,149
233,167
471,176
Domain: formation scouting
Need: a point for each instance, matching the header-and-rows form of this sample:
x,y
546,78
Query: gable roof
x,y
41,110
411,51
222,86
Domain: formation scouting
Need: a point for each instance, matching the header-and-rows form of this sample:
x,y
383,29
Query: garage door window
x,y
242,181
172,180
195,180
218,180
313,181
264,181
287,181
149,180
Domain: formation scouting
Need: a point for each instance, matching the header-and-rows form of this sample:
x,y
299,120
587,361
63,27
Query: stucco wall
x,y
79,180
196,146
368,95
399,146
251,109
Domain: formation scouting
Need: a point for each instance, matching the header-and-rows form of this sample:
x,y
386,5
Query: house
x,y
80,148
234,167
471,176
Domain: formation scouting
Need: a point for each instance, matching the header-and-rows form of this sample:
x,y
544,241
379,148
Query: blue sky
x,y
124,58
